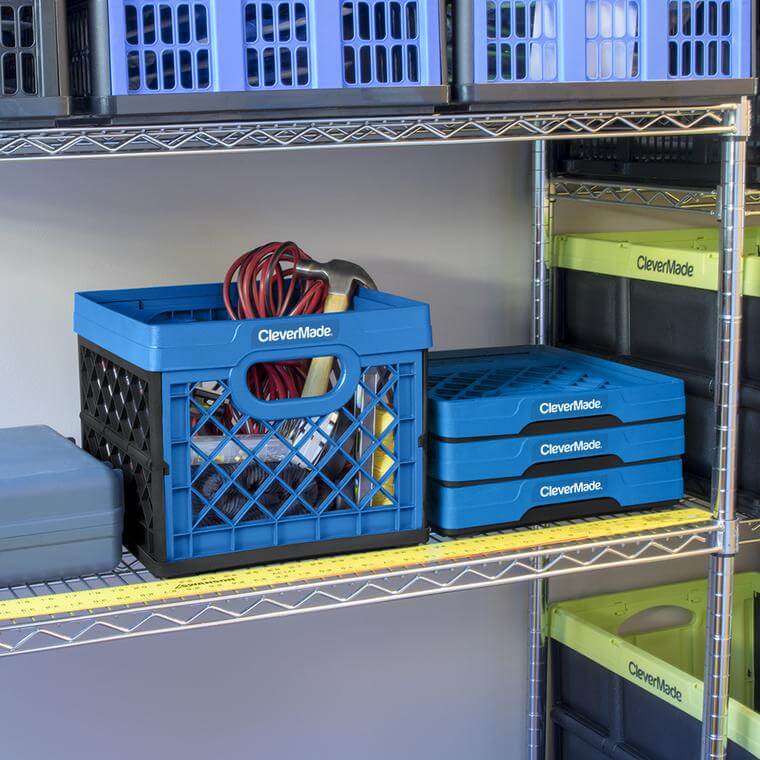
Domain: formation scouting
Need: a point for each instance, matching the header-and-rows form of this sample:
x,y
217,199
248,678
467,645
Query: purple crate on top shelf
x,y
257,54
519,49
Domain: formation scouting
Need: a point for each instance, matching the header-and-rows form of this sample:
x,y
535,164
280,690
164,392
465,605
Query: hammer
x,y
342,279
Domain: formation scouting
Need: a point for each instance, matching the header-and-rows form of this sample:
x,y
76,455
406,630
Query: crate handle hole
x,y
275,382
654,619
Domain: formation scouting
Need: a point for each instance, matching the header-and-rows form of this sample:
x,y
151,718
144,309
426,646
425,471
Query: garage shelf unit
x,y
717,535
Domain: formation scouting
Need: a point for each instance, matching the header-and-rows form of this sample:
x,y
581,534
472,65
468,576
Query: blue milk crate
x,y
207,56
518,50
216,478
465,461
481,506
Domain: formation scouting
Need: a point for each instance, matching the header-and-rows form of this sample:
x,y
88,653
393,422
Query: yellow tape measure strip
x,y
293,573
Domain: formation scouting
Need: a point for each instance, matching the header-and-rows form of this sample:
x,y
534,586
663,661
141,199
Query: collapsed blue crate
x,y
215,477
238,46
478,459
509,42
463,508
504,391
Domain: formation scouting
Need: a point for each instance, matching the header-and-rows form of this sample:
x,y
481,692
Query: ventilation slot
x,y
613,39
381,43
79,51
699,38
277,45
168,47
18,53
522,40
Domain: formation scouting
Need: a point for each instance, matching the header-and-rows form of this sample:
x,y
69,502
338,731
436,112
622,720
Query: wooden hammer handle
x,y
318,379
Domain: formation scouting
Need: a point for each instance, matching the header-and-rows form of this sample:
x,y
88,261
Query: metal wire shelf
x,y
108,624
701,200
224,137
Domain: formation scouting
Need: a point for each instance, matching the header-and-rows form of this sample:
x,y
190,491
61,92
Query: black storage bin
x,y
34,80
680,160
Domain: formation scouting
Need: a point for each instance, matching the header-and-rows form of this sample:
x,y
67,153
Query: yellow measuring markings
x,y
306,571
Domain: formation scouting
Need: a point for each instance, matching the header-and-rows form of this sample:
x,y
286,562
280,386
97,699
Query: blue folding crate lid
x,y
509,502
475,394
512,457
187,327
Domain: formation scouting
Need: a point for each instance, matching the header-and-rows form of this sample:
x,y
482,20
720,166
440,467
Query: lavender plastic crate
x,y
138,57
562,49
34,81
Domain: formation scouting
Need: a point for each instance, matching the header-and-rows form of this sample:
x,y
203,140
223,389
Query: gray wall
x,y
441,677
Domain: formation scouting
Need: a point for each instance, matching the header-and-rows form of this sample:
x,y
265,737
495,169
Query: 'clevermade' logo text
x,y
570,407
655,682
665,266
300,333
573,447
572,489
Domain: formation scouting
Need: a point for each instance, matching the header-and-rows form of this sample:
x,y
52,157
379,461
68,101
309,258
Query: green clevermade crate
x,y
627,673
649,298
649,294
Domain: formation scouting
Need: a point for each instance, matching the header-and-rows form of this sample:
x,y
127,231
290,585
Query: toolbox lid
x,y
687,257
48,484
500,392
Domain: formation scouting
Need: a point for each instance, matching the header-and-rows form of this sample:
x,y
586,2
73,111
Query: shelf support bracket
x,y
727,389
538,617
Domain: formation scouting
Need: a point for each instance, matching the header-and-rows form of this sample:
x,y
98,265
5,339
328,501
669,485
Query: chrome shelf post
x,y
540,331
727,385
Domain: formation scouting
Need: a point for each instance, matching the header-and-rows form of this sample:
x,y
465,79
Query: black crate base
x,y
519,96
555,513
30,113
268,106
287,553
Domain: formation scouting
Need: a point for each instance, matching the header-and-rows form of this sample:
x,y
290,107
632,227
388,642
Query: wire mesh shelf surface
x,y
475,571
221,137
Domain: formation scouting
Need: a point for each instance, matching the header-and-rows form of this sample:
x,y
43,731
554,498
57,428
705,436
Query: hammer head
x,y
342,277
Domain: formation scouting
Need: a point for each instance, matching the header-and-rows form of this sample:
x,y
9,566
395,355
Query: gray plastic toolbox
x,y
61,510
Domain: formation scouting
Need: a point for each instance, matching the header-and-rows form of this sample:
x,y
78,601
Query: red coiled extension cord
x,y
269,286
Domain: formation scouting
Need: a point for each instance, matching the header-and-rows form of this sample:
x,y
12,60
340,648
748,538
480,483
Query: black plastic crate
x,y
34,80
680,160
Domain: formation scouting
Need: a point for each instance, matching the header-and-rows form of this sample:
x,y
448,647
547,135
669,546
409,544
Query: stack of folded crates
x,y
534,434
